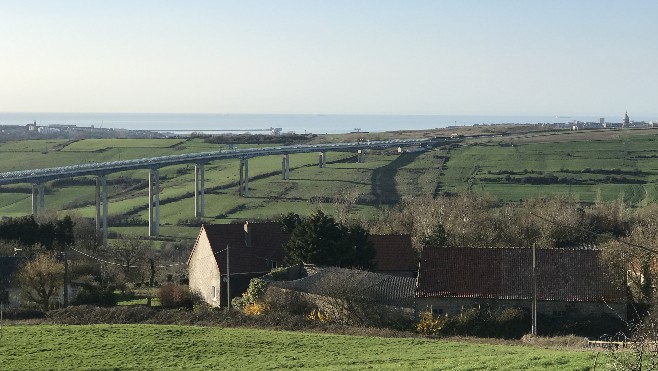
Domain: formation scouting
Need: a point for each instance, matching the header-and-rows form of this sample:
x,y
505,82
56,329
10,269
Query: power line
x,y
123,265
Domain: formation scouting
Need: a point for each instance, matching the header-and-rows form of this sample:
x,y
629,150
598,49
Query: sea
x,y
289,123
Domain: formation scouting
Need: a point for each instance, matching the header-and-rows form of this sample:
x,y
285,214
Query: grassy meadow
x,y
186,347
590,166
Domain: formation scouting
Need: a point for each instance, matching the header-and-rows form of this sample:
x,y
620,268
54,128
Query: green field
x,y
38,347
588,166
383,179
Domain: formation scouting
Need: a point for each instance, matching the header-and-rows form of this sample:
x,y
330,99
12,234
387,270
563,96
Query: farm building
x,y
352,295
567,281
256,248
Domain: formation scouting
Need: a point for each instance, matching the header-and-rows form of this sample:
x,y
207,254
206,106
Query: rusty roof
x,y
266,247
506,273
394,253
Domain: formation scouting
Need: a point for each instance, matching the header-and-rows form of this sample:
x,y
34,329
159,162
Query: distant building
x,y
567,280
627,120
602,122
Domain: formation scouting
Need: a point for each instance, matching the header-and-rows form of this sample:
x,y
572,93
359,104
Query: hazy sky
x,y
488,57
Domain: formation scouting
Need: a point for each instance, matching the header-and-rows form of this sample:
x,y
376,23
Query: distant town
x,y
66,131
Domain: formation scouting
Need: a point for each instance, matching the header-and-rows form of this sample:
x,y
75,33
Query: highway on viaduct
x,y
38,177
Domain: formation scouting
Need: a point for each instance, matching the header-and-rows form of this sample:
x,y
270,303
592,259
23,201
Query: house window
x,y
273,264
214,293
437,311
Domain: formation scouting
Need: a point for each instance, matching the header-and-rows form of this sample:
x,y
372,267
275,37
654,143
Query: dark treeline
x,y
28,232
286,139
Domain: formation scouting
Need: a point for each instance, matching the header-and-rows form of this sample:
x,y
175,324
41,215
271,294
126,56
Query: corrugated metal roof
x,y
382,288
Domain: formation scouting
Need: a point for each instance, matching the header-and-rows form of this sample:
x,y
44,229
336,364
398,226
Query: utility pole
x,y
228,279
66,275
534,291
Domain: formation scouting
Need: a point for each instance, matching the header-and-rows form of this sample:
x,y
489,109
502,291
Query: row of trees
x,y
47,243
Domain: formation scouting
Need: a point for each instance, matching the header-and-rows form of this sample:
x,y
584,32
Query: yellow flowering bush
x,y
317,315
430,324
255,309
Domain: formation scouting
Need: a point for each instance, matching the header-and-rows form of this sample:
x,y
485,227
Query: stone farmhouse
x,y
567,281
256,248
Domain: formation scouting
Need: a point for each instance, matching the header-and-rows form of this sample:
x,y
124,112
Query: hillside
x,y
513,163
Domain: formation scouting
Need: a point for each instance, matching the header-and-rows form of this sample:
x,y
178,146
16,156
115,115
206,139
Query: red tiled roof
x,y
394,253
267,241
506,273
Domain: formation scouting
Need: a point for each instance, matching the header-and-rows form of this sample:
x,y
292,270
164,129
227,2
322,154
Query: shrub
x,y
317,315
22,313
94,295
255,292
484,321
255,309
430,324
173,295
279,274
287,301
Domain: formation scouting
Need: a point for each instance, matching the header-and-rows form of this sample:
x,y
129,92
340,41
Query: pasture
x,y
588,166
187,347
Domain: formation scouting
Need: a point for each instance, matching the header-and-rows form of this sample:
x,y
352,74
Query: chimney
x,y
247,234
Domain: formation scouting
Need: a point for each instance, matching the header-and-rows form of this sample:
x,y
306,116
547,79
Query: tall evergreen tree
x,y
320,239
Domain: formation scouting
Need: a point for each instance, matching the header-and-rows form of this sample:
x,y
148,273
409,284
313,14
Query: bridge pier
x,y
285,166
101,198
323,160
154,203
38,198
244,177
361,156
199,190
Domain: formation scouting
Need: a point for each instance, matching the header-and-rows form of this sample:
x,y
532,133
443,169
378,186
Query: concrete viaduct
x,y
38,177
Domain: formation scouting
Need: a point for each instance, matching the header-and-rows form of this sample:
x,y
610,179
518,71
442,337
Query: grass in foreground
x,y
187,347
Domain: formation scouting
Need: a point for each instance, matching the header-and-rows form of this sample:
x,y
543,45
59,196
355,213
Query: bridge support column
x,y
323,160
199,190
360,156
35,199
154,203
285,167
38,199
244,177
101,198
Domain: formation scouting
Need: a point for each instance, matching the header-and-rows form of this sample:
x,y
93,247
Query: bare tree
x,y
41,280
130,253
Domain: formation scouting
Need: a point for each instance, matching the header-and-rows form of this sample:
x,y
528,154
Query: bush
x,y
254,293
255,309
287,301
430,324
22,313
94,295
506,323
173,295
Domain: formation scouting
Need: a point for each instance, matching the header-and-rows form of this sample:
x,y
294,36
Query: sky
x,y
412,57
